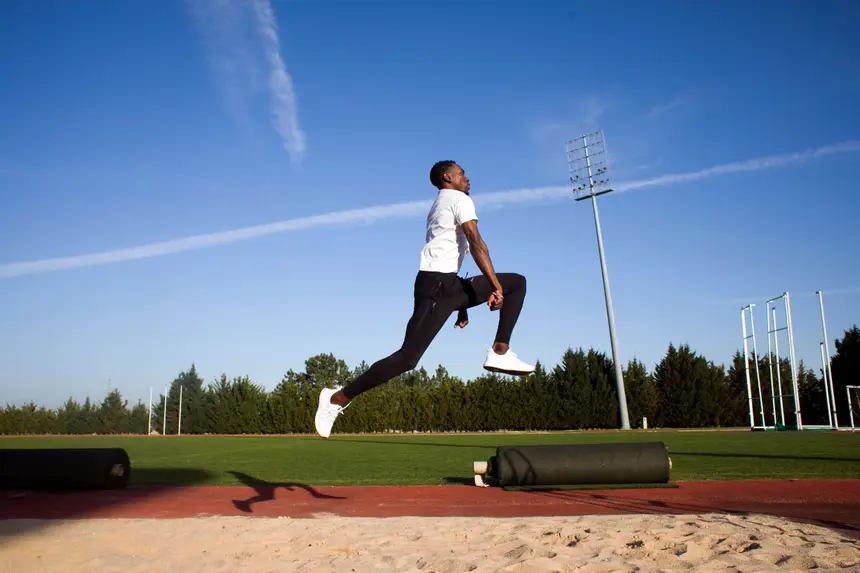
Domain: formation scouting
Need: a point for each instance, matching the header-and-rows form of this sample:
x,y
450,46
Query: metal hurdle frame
x,y
850,409
829,391
774,330
763,426
825,363
827,375
776,389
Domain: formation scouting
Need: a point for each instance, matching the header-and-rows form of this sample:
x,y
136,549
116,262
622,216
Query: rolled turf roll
x,y
575,464
64,468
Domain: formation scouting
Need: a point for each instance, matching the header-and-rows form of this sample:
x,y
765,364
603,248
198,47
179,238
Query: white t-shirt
x,y
446,244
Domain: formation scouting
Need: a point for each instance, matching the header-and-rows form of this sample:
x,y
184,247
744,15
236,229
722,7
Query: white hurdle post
x,y
771,307
164,419
826,385
828,378
744,309
179,423
850,406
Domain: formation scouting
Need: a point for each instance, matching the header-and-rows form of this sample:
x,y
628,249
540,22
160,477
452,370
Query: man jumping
x,y
452,231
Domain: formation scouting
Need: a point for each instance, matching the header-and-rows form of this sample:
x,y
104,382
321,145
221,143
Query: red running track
x,y
834,503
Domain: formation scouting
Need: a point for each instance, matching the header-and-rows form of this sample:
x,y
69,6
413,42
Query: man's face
x,y
457,179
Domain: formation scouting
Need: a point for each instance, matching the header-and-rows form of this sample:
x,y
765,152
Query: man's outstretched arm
x,y
481,254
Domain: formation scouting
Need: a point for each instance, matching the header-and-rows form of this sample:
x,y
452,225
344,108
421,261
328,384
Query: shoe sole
x,y
511,372
317,414
317,427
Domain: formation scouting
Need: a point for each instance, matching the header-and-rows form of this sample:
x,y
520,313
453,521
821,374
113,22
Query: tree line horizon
x,y
684,390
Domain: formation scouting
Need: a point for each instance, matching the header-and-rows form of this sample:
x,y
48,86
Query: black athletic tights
x,y
437,296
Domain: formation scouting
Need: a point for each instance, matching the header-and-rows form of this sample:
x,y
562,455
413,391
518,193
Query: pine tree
x,y
676,379
641,393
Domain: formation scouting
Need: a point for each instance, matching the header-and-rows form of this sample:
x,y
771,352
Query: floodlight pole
x,y
179,423
164,419
610,315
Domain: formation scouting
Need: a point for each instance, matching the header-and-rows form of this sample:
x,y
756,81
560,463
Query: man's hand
x,y
481,254
496,300
462,319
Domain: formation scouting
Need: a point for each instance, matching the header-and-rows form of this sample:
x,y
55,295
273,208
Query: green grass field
x,y
433,460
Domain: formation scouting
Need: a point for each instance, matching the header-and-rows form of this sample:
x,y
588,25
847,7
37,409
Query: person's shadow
x,y
266,491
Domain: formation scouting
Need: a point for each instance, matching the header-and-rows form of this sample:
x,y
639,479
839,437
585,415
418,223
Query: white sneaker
x,y
507,363
327,412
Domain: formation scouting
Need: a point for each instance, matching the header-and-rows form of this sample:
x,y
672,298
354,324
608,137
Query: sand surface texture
x,y
589,544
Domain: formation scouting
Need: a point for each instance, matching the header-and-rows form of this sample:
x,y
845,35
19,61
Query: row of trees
x,y
684,390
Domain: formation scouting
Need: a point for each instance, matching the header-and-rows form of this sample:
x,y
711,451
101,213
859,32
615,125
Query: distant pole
x,y
747,363
179,424
587,162
149,422
826,386
829,374
164,419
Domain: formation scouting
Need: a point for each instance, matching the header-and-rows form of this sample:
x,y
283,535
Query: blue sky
x,y
732,128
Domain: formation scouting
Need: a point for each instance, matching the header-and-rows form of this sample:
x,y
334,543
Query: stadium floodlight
x,y
588,164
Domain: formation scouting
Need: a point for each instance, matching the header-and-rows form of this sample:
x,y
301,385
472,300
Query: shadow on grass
x,y
407,442
672,452
762,456
167,477
458,481
266,491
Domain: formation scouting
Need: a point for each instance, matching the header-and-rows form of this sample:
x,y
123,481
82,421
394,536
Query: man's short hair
x,y
438,170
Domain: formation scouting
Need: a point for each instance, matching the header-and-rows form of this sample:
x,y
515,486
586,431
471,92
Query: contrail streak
x,y
371,215
367,215
744,166
795,294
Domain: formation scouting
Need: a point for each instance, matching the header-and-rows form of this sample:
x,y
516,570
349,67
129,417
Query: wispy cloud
x,y
373,215
245,66
661,110
589,112
284,112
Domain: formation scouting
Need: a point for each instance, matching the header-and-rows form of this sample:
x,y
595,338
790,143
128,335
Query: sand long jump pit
x,y
739,526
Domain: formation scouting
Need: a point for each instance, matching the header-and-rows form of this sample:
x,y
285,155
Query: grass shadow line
x,y
405,442
763,456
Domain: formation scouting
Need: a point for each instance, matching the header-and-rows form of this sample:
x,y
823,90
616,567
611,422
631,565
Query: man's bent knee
x,y
516,283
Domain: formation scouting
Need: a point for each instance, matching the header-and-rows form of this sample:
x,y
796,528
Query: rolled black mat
x,y
575,464
64,468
